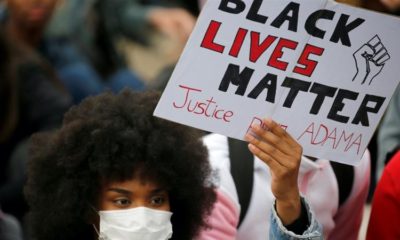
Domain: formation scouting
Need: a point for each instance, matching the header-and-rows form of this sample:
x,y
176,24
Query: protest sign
x,y
325,71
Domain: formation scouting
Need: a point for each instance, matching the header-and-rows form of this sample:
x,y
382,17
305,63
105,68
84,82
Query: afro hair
x,y
106,138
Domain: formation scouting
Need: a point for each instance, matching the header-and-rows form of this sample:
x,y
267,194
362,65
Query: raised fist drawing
x,y
370,60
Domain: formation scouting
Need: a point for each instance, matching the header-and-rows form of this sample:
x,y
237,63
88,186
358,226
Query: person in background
x,y
32,99
385,210
26,21
97,27
175,19
113,171
391,5
130,18
335,192
385,6
388,131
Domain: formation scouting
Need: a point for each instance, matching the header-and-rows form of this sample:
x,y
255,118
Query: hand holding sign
x,y
370,60
282,154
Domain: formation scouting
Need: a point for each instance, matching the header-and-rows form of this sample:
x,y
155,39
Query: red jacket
x,y
385,214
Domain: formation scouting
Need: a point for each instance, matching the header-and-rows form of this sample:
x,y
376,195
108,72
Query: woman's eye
x,y
157,200
123,202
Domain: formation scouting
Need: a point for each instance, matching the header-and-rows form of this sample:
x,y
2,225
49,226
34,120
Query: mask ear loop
x,y
100,237
98,233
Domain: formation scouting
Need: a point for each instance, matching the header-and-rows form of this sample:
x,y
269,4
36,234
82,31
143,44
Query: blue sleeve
x,y
279,232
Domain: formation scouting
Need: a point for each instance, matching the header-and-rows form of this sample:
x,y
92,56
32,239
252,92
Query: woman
x,y
109,158
113,171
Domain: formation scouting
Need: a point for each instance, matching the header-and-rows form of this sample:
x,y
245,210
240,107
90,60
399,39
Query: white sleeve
x,y
219,158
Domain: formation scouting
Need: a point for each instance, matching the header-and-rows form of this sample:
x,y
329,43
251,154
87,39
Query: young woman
x,y
113,171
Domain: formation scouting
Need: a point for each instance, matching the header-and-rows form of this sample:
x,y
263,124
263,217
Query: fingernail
x,y
267,120
251,147
255,126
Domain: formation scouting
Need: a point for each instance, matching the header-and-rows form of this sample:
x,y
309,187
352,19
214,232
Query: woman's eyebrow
x,y
120,190
159,190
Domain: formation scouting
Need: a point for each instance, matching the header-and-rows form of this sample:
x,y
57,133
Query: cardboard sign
x,y
323,70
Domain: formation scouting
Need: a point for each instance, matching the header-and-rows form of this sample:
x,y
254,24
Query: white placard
x,y
325,71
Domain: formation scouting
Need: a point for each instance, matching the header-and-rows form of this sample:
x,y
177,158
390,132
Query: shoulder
x,y
218,152
218,149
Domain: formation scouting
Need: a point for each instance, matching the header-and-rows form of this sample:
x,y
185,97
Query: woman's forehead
x,y
134,185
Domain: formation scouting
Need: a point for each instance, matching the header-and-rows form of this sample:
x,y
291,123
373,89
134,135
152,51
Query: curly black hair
x,y
106,138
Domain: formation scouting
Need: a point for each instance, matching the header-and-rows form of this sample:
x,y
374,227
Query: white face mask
x,y
139,223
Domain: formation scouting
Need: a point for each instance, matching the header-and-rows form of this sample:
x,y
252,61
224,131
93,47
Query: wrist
x,y
289,209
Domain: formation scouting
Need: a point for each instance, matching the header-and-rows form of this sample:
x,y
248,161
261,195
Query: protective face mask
x,y
139,223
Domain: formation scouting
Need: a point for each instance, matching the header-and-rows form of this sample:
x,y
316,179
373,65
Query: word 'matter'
x,y
269,83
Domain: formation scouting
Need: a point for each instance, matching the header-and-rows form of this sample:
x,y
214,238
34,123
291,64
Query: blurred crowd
x,y
55,53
